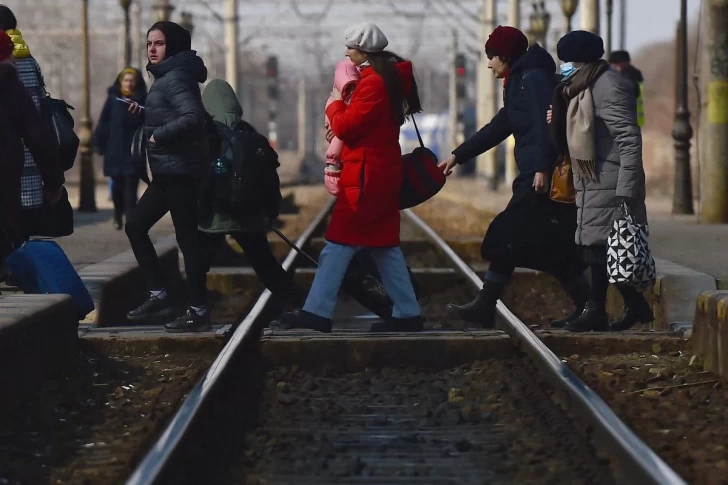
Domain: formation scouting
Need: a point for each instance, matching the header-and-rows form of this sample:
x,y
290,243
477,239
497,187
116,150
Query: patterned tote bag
x,y
629,261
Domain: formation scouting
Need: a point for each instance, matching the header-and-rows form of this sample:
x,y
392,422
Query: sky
x,y
662,14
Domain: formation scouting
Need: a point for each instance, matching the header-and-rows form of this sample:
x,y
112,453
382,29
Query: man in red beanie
x,y
21,122
534,231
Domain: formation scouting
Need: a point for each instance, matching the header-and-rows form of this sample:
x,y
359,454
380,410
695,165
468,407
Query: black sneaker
x,y
152,308
411,324
191,321
301,319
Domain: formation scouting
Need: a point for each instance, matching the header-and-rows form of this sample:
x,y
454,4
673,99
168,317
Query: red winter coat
x,y
367,207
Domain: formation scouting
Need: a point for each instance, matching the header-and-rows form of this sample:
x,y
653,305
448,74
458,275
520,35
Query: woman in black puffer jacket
x,y
174,127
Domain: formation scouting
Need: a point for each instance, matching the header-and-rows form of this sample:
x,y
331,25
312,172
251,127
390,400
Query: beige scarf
x,y
580,135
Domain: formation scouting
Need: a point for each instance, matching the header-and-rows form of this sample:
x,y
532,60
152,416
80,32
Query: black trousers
x,y
260,256
176,194
124,194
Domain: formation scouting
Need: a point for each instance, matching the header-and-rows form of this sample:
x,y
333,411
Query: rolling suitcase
x,y
41,267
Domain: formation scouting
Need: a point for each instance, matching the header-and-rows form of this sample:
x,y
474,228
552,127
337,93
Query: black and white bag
x,y
629,261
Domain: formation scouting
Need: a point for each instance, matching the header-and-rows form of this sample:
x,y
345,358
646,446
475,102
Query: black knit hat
x,y
619,56
7,18
580,46
178,38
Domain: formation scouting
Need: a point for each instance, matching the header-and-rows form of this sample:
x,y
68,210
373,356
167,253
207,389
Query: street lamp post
x,y
125,4
682,132
568,8
610,11
87,199
539,21
164,10
186,21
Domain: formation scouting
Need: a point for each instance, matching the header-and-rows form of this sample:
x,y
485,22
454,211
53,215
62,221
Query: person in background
x,y
366,214
29,73
178,154
21,125
622,63
533,231
113,138
594,121
249,226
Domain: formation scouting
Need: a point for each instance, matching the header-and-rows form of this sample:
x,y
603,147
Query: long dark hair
x,y
384,64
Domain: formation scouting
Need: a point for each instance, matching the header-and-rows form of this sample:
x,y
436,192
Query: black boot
x,y
593,319
302,319
636,310
579,293
411,324
153,307
191,321
482,309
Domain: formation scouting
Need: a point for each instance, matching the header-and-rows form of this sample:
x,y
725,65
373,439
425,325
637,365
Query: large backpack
x,y
245,172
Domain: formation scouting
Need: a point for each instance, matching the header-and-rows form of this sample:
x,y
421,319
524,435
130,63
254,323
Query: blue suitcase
x,y
42,267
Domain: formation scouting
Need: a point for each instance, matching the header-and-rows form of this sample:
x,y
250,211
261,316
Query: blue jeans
x,y
333,263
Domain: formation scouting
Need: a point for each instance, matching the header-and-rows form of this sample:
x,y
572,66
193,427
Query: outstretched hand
x,y
447,165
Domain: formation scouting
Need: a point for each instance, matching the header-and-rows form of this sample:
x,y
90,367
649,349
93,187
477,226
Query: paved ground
x,y
680,239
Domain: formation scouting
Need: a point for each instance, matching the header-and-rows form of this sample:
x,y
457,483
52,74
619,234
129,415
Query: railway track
x,y
445,406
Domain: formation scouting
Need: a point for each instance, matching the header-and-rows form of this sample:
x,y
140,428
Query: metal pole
x,y
302,103
623,25
514,20
87,202
610,11
486,164
682,197
714,128
231,44
127,28
590,15
136,38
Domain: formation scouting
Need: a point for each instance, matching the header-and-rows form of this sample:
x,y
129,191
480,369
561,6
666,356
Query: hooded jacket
x,y
115,130
174,115
527,95
223,106
346,75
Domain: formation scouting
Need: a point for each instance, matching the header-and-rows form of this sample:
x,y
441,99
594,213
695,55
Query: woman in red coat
x,y
366,214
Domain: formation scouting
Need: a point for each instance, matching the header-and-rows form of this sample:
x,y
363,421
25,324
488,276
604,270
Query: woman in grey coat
x,y
594,121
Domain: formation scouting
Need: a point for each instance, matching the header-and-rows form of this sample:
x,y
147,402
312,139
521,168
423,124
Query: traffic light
x,y
271,72
460,72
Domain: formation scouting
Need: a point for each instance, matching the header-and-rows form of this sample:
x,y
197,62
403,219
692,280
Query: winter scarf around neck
x,y
573,119
21,50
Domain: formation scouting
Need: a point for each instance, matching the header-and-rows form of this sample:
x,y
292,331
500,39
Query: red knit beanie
x,y
507,42
6,46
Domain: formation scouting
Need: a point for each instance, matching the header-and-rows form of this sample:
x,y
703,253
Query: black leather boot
x,y
636,310
482,309
579,294
593,319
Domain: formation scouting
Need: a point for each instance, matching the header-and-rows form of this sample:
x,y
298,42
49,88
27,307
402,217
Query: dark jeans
x,y
124,194
260,257
176,194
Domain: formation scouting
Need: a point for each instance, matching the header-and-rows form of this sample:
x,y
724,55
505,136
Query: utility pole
x,y
714,128
623,25
610,11
136,40
682,197
231,44
486,164
125,4
590,15
514,20
302,121
272,81
454,109
87,202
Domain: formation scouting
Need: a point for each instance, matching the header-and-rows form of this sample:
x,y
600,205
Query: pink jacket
x,y
346,77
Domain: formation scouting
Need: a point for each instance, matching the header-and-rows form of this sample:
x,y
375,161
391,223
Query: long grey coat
x,y
618,162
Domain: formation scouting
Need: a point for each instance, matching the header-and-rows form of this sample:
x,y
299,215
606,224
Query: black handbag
x,y
51,221
139,154
60,123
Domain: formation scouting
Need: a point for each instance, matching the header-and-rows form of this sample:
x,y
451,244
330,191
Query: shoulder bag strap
x,y
419,137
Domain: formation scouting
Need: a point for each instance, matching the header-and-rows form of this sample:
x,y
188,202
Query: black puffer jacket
x,y
175,116
527,96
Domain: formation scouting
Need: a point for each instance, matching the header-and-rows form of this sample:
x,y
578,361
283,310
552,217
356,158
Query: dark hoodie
x,y
527,96
116,128
174,113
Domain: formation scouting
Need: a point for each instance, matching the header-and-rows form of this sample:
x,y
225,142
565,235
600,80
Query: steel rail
x,y
635,461
150,468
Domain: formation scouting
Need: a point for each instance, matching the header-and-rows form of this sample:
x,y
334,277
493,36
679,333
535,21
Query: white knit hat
x,y
365,37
